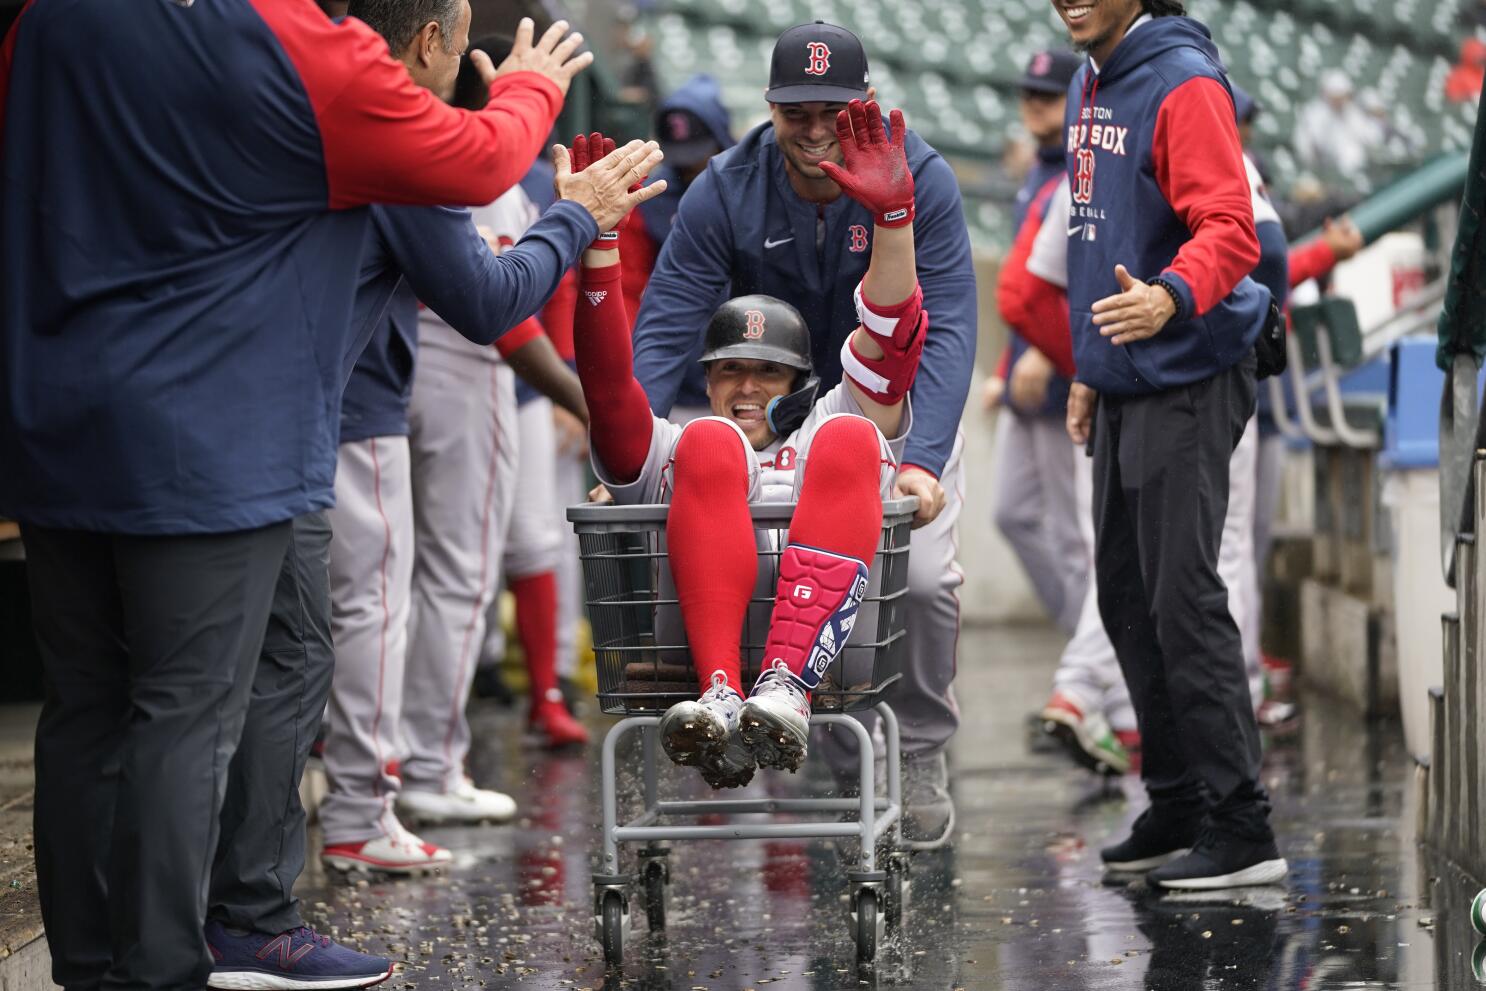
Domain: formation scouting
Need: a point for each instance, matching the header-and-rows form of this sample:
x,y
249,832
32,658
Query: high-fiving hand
x,y
606,186
552,56
874,170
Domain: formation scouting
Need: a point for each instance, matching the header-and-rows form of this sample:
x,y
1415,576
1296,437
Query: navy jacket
x,y
450,269
180,235
742,229
1050,164
1159,185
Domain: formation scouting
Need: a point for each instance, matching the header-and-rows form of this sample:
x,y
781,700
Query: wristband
x,y
900,217
1176,298
607,241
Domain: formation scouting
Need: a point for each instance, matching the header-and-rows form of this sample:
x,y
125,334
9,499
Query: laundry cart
x,y
644,668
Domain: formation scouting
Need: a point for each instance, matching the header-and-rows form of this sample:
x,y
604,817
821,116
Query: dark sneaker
x,y
288,961
928,809
1220,859
1155,839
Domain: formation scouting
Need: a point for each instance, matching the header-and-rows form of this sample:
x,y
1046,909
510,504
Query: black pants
x,y
148,646
261,851
1160,496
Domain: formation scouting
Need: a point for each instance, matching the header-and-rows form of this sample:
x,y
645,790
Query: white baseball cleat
x,y
704,734
464,803
396,852
775,721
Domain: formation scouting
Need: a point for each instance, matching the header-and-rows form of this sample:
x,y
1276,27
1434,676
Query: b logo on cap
x,y
1042,64
680,126
820,58
754,328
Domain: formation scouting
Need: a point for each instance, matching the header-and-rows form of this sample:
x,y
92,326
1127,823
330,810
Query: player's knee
x,y
711,449
846,448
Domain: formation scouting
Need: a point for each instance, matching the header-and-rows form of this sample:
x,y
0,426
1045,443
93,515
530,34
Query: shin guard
x,y
814,610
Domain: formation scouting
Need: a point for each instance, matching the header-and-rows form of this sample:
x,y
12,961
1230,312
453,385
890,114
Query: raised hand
x,y
874,171
552,56
604,180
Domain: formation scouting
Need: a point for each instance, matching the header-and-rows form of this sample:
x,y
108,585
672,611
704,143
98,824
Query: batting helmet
x,y
762,328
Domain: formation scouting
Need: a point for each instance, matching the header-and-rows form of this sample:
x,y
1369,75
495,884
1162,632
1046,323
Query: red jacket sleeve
x,y
1310,261
388,140
557,315
620,423
7,55
1199,166
1034,308
518,337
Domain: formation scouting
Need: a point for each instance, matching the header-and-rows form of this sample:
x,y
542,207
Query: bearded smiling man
x,y
1165,319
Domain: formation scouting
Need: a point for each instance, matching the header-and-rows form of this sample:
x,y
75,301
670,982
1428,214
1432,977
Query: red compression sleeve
x,y
388,140
619,417
1199,166
840,507
518,337
709,536
1310,261
557,315
536,626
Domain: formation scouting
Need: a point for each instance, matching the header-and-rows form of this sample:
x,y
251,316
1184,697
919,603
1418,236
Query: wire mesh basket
x,y
639,642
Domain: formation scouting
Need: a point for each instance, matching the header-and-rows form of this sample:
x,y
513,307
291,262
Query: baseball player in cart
x,y
769,438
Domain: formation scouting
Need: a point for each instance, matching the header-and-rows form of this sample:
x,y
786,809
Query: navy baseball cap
x,y
685,138
1050,72
1244,107
817,62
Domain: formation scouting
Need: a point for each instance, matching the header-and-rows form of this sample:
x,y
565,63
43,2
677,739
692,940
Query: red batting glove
x,y
586,151
875,168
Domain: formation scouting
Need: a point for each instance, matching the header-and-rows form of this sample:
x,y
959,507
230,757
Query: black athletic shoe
x,y
1220,859
1156,838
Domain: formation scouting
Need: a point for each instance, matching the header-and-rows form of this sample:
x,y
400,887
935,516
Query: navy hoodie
x,y
742,229
699,95
181,227
1159,185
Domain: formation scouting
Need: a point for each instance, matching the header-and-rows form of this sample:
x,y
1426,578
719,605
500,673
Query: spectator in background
x,y
1333,134
692,126
637,82
1463,84
1035,507
1246,109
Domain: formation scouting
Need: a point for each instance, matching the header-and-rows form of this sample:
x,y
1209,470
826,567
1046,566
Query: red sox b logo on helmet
x,y
754,328
820,59
1083,179
858,239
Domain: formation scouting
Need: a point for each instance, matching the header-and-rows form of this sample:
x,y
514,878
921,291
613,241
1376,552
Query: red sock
x,y
840,507
536,626
713,555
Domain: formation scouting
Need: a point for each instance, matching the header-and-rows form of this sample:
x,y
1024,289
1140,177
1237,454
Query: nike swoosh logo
x,y
774,244
1074,230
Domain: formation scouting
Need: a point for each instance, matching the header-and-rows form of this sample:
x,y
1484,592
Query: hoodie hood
x,y
1155,38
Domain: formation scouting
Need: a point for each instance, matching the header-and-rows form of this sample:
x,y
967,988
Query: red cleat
x,y
555,727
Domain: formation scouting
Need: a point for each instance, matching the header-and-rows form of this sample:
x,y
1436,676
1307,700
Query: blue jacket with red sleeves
x,y
1159,186
180,243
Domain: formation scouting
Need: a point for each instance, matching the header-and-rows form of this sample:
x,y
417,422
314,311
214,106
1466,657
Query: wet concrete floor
x,y
1016,901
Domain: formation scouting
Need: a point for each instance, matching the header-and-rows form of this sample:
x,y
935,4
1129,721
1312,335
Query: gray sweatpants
x,y
1037,513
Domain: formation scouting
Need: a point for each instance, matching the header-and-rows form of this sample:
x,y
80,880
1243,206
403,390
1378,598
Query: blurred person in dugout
x,y
1035,507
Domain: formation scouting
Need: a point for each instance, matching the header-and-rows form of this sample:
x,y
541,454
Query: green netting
x,y
1462,327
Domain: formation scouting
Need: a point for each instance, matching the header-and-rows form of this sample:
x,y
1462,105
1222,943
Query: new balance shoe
x,y
1156,838
1086,736
462,804
301,958
775,721
1220,859
397,852
704,734
553,726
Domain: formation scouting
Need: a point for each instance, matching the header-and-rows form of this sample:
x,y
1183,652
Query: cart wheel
x,y
655,895
611,927
895,894
866,920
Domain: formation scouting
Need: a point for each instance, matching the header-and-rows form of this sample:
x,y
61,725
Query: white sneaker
x,y
775,721
704,734
464,803
397,852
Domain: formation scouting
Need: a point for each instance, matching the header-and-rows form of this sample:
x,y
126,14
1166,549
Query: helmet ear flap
x,y
786,413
